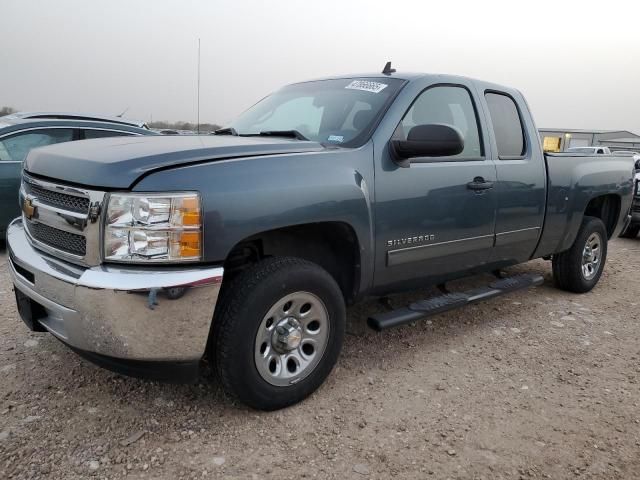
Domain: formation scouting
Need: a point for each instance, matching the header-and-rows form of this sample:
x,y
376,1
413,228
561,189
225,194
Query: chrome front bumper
x,y
128,313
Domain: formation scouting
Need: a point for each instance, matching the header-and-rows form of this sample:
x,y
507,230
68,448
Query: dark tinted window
x,y
88,134
507,125
16,147
448,105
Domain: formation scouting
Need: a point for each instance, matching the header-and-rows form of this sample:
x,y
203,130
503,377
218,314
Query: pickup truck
x,y
148,255
595,150
633,227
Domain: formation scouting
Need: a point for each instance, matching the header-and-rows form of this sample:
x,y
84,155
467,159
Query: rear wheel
x,y
579,268
631,231
278,332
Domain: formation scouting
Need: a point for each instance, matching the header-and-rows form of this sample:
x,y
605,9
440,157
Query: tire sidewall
x,y
631,231
247,383
590,226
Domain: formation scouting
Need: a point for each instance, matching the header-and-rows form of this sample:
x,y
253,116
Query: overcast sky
x,y
578,62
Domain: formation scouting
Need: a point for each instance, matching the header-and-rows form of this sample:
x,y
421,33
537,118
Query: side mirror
x,y
435,140
638,165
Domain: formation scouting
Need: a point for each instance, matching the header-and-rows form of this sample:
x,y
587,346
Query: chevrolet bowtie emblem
x,y
28,208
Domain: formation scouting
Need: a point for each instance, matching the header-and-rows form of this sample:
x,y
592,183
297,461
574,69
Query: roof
x,y
71,116
578,130
623,140
399,76
414,76
10,126
623,133
408,76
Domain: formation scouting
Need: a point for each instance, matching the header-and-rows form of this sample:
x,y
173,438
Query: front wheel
x,y
278,333
579,268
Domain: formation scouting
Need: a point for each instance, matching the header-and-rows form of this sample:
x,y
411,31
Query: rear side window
x,y
16,147
507,125
88,134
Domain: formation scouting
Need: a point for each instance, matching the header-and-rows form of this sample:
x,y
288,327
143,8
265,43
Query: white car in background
x,y
594,150
625,153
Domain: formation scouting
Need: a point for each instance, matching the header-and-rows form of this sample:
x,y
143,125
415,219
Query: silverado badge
x,y
402,242
28,208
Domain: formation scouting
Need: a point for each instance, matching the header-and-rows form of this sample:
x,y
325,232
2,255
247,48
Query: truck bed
x,y
573,179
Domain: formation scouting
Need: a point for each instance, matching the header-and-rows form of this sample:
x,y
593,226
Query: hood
x,y
116,163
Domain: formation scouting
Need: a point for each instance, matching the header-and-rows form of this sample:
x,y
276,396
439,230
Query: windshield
x,y
338,112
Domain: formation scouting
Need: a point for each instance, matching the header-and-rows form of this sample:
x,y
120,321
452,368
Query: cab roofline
x,y
412,76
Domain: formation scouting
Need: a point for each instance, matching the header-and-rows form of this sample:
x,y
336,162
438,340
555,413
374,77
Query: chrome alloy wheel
x,y
291,339
591,256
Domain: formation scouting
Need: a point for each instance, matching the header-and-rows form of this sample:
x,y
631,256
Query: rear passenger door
x,y
521,186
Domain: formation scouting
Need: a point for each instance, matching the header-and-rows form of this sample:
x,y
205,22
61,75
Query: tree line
x,y
6,111
164,125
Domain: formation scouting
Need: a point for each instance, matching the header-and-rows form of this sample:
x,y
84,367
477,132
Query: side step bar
x,y
450,301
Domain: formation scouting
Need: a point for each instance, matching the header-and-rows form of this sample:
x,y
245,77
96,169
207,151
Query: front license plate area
x,y
29,311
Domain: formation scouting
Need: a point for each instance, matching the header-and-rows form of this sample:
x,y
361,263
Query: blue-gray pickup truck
x,y
633,227
148,255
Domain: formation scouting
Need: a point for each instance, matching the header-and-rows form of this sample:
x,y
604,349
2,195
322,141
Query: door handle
x,y
479,184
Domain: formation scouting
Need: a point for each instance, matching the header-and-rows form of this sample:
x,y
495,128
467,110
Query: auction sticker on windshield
x,y
367,86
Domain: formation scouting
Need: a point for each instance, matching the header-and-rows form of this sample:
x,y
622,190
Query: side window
x,y
448,105
4,154
89,134
16,147
507,125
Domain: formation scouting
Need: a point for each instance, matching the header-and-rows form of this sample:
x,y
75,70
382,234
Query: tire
x,y
631,231
572,270
247,343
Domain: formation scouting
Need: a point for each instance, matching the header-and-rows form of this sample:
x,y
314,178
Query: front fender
x,y
245,197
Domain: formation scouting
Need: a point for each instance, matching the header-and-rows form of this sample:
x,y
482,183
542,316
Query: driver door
x,y
432,224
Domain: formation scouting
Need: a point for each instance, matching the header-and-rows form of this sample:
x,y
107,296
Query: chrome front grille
x,y
58,200
63,221
59,239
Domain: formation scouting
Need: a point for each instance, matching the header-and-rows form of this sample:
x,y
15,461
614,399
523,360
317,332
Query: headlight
x,y
153,228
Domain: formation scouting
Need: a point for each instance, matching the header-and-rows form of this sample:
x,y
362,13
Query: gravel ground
x,y
537,384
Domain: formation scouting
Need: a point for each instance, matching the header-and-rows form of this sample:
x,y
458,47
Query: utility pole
x,y
198,123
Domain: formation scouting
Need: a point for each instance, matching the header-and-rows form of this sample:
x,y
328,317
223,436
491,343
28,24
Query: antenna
x,y
198,123
388,70
123,112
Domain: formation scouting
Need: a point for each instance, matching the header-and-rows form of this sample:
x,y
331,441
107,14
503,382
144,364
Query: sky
x,y
577,62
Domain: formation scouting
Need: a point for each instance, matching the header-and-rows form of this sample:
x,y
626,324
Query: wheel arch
x,y
333,245
606,208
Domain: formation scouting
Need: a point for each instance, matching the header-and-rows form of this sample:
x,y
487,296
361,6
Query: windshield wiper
x,y
280,133
226,131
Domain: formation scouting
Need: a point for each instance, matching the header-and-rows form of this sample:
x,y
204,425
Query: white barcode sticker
x,y
367,86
